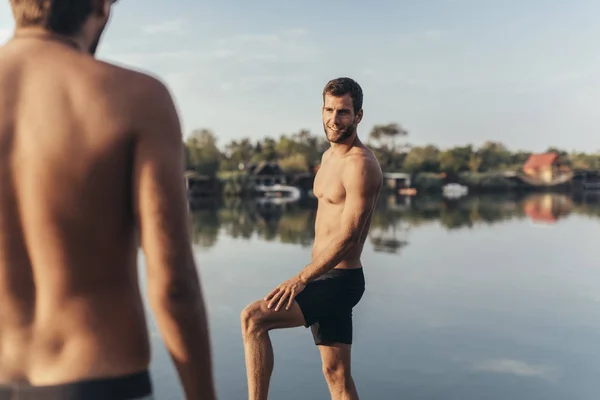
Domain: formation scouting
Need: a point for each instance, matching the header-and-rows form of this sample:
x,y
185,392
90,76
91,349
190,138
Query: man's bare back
x,y
91,167
69,300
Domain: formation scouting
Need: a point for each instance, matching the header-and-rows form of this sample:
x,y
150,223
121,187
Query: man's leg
x,y
336,368
257,321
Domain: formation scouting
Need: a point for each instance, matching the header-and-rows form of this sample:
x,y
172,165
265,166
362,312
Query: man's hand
x,y
287,291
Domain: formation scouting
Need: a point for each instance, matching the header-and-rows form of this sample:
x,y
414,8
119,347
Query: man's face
x,y
339,120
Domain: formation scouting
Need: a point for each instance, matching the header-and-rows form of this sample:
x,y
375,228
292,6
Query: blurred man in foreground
x,y
91,159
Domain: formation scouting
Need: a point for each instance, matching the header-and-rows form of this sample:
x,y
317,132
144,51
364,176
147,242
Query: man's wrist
x,y
303,278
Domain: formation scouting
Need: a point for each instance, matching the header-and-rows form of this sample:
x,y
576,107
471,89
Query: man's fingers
x,y
270,295
275,297
291,300
282,300
277,302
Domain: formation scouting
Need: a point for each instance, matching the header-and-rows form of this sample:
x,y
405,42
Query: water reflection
x,y
392,221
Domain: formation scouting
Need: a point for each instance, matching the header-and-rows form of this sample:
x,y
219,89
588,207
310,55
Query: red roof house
x,y
543,166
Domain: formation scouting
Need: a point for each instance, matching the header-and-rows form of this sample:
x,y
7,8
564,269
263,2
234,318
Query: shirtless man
x,y
91,167
323,294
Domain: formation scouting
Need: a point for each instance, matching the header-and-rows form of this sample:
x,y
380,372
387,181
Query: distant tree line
x,y
301,151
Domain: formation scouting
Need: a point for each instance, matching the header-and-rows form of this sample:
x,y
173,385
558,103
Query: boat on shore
x,y
455,190
278,191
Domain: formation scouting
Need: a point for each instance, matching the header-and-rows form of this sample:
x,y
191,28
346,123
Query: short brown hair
x,y
342,86
65,17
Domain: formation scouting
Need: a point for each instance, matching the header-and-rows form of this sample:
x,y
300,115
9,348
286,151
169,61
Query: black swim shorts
x,y
327,304
132,387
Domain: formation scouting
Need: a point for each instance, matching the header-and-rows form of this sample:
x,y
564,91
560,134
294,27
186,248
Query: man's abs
x,y
327,229
351,260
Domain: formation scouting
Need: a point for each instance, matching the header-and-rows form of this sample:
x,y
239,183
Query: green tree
x,y
387,136
494,155
301,150
202,153
474,162
456,159
384,140
238,152
422,159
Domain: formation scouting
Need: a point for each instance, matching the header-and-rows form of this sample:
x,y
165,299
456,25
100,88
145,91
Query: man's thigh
x,y
259,312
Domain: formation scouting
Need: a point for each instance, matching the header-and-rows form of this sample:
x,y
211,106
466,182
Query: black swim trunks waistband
x,y
351,273
130,387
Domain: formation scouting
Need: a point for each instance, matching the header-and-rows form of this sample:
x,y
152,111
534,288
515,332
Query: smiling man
x,y
91,161
324,293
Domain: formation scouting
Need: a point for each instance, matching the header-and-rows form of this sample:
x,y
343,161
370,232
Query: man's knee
x,y
336,373
253,318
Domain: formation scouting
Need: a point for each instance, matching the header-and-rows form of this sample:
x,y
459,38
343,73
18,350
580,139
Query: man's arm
x,y
362,181
161,211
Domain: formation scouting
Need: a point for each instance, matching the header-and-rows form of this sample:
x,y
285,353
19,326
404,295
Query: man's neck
x,y
43,34
345,146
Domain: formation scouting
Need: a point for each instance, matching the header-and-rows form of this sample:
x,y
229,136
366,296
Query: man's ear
x,y
359,116
102,8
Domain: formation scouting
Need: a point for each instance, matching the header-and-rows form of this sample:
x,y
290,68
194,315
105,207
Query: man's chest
x,y
328,184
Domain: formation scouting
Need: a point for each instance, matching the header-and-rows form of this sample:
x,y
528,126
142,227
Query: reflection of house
x,y
544,167
398,203
389,239
266,173
547,207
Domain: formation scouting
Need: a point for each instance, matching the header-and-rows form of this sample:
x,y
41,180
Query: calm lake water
x,y
483,298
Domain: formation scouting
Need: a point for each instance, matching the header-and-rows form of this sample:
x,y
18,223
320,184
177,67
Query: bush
x,y
294,163
428,182
485,180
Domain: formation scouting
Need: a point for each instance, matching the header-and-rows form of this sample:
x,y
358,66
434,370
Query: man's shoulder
x,y
361,158
362,172
144,98
134,83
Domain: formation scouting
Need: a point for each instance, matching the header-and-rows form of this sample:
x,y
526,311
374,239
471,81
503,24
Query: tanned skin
x,y
91,167
347,187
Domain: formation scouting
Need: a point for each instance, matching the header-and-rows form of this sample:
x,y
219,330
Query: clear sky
x,y
452,72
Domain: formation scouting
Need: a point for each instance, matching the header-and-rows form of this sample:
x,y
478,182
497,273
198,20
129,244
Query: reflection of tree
x,y
588,203
205,223
205,228
287,223
468,212
391,221
239,219
298,227
454,215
